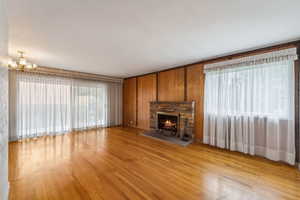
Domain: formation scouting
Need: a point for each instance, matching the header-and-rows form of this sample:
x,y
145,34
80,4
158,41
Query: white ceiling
x,y
129,37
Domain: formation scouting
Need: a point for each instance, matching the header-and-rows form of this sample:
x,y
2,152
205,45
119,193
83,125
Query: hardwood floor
x,y
117,163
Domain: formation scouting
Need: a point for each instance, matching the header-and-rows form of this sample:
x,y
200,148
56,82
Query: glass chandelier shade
x,y
21,63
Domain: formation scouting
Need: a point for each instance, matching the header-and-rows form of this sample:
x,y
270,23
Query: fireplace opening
x,y
167,122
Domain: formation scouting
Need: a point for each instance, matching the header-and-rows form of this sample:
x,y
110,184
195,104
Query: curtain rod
x,y
73,74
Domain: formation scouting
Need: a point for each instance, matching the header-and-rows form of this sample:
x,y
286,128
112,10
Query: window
x,y
261,90
43,107
249,105
89,105
50,105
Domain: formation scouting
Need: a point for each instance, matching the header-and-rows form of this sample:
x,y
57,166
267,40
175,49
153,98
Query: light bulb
x,y
29,66
22,61
13,64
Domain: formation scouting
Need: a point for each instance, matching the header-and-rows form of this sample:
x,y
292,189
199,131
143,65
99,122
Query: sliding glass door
x,y
42,105
88,105
48,105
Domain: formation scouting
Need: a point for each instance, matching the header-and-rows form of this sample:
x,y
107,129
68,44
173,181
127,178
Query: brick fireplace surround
x,y
185,110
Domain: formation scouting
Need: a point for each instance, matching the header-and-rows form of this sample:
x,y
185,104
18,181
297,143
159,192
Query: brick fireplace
x,y
173,118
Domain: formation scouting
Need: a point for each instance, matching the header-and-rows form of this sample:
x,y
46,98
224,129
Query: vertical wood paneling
x,y
171,85
195,92
146,93
129,102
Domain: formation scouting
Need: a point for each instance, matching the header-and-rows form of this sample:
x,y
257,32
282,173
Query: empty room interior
x,y
149,100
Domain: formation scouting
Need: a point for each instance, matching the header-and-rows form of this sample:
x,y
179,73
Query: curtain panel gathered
x,y
48,105
250,107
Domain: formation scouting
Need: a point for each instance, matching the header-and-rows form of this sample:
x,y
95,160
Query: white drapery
x,y
249,105
48,105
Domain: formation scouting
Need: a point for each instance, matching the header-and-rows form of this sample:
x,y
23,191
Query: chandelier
x,y
21,63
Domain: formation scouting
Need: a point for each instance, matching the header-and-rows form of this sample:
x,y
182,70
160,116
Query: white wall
x,y
3,104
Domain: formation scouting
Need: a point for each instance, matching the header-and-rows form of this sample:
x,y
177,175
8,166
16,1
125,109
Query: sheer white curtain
x,y
47,105
249,105
88,104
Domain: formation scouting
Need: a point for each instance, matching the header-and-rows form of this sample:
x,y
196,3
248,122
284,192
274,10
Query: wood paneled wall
x,y
171,85
195,92
129,102
182,84
146,93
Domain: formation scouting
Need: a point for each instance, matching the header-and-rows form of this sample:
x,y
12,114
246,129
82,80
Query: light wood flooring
x,y
118,163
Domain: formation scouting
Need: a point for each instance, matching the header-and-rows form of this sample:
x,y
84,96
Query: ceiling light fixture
x,y
21,63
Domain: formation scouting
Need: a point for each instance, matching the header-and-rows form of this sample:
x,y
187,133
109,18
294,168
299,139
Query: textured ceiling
x,y
130,37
